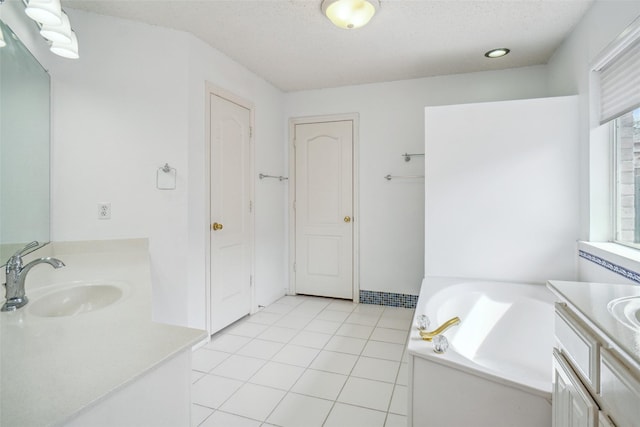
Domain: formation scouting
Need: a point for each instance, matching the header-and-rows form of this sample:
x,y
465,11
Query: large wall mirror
x,y
24,147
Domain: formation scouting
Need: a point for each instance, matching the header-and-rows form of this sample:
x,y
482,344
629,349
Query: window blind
x,y
620,83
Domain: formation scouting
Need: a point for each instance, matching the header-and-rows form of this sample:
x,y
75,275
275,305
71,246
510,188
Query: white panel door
x,y
230,216
324,209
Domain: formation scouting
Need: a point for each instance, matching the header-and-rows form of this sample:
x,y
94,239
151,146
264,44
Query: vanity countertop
x,y
52,368
590,301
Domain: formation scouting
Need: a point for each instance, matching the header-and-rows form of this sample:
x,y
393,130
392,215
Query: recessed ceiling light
x,y
497,53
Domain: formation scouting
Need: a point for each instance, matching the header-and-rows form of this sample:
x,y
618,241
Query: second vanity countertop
x,y
54,367
590,301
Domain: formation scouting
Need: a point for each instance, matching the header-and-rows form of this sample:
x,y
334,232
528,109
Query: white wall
x,y
502,190
569,73
132,102
392,123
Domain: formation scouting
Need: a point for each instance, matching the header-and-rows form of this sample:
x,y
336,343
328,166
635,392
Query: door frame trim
x,y
355,118
211,89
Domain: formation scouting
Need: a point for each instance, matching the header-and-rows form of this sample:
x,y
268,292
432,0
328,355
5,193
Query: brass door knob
x,y
347,219
216,226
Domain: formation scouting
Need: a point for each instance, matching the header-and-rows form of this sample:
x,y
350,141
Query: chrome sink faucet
x,y
16,274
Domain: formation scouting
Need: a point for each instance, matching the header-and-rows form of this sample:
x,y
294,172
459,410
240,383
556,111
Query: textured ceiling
x,y
292,45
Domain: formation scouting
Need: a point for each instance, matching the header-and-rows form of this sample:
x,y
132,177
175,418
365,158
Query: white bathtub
x,y
498,368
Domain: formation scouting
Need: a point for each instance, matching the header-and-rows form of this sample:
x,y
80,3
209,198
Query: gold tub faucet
x,y
428,336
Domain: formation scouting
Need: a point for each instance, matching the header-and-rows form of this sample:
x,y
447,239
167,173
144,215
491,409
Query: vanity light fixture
x,y
350,14
497,53
44,11
57,33
66,49
53,24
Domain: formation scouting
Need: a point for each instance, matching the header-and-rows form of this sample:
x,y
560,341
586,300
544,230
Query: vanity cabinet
x,y
594,383
572,403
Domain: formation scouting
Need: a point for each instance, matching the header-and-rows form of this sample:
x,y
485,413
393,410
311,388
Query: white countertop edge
x,y
185,346
609,340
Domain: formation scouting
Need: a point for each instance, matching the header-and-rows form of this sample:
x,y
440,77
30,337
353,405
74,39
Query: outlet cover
x,y
104,210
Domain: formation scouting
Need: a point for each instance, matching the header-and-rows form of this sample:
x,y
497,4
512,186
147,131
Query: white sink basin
x,y
626,311
76,298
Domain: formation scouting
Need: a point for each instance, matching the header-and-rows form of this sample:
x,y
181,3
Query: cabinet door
x,y
572,404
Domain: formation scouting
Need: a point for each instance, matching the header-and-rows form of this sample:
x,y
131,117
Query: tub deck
x,y
498,368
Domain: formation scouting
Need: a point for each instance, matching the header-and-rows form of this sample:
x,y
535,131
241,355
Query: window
x,y
626,138
617,75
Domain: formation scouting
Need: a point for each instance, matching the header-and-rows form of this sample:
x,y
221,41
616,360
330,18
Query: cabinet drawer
x,y
620,391
578,346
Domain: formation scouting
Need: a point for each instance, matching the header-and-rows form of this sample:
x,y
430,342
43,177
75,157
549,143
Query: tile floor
x,y
305,361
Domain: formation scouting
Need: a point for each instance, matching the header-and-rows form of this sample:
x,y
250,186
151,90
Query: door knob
x,y
347,219
216,226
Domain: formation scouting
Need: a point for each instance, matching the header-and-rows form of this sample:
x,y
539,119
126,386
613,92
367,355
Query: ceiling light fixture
x,y
350,14
497,53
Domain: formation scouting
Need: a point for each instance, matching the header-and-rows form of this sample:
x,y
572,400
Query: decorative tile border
x,y
629,274
388,298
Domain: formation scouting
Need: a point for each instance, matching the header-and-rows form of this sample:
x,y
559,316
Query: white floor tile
x,y
277,375
305,361
383,350
325,385
264,318
297,411
246,329
261,349
227,343
340,305
323,326
278,334
204,360
394,420
277,308
353,416
398,312
403,374
376,369
331,361
291,300
310,339
369,309
399,400
332,315
199,414
253,401
397,336
211,391
195,376
345,345
238,367
296,355
363,319
223,419
292,321
393,323
367,393
355,331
